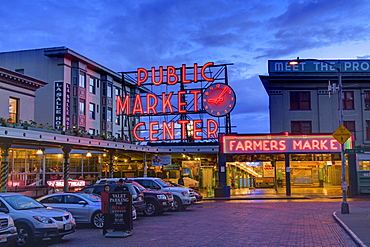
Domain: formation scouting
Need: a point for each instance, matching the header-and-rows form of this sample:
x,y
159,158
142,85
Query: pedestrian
x,y
104,208
232,183
121,185
180,181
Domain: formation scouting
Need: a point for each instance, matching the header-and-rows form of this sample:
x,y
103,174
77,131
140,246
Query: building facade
x,y
80,94
304,99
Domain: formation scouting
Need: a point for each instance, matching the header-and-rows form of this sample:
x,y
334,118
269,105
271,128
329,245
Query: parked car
x,y
8,231
197,194
33,220
85,207
138,201
157,202
182,197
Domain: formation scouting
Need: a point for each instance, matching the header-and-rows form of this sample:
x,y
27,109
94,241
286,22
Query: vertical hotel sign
x,y
58,104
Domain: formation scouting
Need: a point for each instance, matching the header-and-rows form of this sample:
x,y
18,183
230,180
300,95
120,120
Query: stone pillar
x,y
4,167
66,150
111,162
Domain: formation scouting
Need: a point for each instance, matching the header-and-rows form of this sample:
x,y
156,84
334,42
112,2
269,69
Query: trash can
x,y
218,192
226,191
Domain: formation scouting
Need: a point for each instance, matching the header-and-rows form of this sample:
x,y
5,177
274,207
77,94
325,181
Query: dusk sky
x,y
124,35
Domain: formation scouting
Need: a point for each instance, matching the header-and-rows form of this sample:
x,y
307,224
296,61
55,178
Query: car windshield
x,y
162,183
91,197
139,185
20,202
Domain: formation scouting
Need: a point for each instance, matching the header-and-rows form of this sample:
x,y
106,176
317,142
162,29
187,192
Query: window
x,y
92,86
117,120
92,111
13,109
351,126
368,130
300,101
367,99
92,131
118,91
109,91
74,106
82,107
348,101
109,115
81,81
301,127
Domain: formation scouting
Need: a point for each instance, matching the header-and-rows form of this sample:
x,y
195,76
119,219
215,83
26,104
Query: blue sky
x,y
124,35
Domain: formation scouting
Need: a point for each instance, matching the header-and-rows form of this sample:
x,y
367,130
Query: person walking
x,y
105,209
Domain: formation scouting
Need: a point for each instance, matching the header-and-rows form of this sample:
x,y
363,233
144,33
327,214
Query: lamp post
x,y
344,206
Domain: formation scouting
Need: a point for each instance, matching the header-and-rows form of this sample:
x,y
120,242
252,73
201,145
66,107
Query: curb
x,y
255,198
349,231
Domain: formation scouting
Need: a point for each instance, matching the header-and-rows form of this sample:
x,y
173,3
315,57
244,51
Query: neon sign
x,y
239,144
172,103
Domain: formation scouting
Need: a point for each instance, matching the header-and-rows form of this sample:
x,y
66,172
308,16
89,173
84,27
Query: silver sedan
x,y
85,207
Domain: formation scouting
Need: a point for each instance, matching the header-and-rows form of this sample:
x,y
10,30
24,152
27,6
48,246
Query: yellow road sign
x,y
342,134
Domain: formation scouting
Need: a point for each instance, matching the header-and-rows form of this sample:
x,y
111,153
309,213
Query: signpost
x,y
342,134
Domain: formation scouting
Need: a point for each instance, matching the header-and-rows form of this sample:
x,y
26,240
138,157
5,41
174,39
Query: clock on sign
x,y
218,99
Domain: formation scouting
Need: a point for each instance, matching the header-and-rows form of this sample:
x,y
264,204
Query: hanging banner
x,y
193,163
163,160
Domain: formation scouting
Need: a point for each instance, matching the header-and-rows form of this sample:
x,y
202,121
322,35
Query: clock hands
x,y
219,98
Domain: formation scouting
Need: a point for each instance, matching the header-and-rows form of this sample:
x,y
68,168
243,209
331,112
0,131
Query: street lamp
x,y
344,206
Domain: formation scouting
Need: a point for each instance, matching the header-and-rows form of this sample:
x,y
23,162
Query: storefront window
x,y
364,165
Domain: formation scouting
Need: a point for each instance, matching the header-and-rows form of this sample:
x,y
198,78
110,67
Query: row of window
x,y
305,127
302,100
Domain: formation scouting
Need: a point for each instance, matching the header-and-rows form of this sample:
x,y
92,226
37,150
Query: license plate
x,y
67,227
3,238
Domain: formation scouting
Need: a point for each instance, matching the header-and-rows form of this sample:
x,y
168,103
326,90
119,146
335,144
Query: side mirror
x,y
82,202
4,210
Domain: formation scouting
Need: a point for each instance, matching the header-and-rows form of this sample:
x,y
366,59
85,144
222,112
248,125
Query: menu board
x,y
120,210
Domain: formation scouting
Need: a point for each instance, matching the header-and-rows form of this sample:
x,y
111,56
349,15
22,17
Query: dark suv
x,y
157,202
137,196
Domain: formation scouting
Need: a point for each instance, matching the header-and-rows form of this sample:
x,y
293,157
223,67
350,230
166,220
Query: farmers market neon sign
x,y
239,144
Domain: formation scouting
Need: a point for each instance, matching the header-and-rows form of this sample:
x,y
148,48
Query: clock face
x,y
218,99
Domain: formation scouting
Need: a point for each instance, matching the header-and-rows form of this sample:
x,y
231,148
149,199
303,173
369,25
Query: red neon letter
x,y
153,131
181,103
167,103
195,72
209,131
195,92
183,74
183,124
171,72
138,106
203,74
157,83
167,130
135,131
125,107
150,107
139,80
196,130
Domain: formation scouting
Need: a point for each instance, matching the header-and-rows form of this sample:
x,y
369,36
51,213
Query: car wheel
x,y
151,208
24,237
97,220
177,204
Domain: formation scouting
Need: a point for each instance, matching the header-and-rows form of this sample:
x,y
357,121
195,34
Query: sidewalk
x,y
356,223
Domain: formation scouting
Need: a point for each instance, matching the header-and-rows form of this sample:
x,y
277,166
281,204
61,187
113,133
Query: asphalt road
x,y
230,223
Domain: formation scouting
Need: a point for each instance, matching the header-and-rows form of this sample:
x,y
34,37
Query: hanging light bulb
x,y
39,151
88,154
